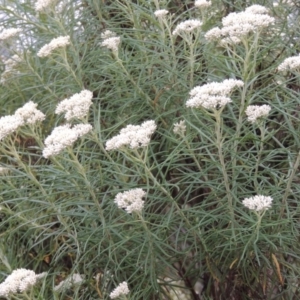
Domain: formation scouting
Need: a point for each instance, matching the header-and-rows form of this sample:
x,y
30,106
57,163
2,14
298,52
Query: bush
x,y
173,173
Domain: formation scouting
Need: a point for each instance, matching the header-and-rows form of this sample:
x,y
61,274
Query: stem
x,y
171,39
164,191
255,233
68,67
223,166
261,147
27,169
139,90
81,171
150,239
194,157
192,63
288,186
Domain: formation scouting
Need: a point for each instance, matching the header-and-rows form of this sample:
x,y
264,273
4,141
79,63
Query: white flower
x,y
238,25
10,65
258,203
213,95
64,136
131,200
112,43
8,33
76,106
4,170
41,5
254,112
135,136
12,62
70,281
290,63
59,42
187,26
202,3
179,128
120,290
19,281
213,34
30,114
161,13
257,9
9,124
107,34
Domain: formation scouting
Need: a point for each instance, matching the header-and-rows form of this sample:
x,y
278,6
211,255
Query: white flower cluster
x,y
72,280
187,26
213,95
41,5
64,136
9,124
135,136
12,62
19,281
120,290
255,112
10,65
107,34
4,171
290,63
110,40
30,114
112,43
258,203
76,106
161,13
238,25
180,128
287,2
60,42
8,33
131,200
202,3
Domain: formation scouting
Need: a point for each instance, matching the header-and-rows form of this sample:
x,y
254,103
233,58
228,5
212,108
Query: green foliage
x,y
194,235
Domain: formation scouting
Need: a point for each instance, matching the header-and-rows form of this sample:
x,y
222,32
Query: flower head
x,y
19,280
213,95
60,42
161,13
64,136
257,9
131,200
10,66
290,63
180,128
8,33
112,43
74,279
12,62
41,5
76,106
258,203
9,124
202,3
30,114
238,25
187,26
120,290
255,112
135,136
107,34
